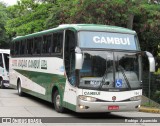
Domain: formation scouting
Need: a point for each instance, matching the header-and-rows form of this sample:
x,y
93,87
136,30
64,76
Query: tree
x,y
28,16
4,40
148,27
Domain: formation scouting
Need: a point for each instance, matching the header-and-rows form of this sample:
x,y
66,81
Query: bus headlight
x,y
87,98
136,98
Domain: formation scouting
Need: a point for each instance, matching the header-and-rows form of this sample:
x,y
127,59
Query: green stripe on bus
x,y
45,80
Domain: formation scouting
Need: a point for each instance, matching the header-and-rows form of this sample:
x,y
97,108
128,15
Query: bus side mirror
x,y
79,61
151,61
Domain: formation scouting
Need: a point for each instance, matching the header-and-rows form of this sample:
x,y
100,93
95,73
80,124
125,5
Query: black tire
x,y
1,84
57,102
19,88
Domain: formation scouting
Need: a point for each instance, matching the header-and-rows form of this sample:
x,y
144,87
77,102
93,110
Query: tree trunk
x,y
130,21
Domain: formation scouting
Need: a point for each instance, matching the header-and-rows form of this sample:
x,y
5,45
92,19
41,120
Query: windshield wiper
x,y
124,75
103,79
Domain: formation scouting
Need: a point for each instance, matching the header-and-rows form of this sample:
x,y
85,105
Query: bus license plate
x,y
113,107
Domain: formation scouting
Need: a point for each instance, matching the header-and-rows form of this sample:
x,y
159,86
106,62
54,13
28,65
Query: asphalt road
x,y
29,110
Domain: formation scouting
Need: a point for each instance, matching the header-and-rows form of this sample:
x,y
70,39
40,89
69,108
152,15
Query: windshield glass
x,y
6,60
110,70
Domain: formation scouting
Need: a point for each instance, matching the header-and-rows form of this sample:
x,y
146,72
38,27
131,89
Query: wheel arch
x,y
61,108
54,89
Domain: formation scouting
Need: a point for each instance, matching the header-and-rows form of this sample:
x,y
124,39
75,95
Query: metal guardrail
x,y
152,91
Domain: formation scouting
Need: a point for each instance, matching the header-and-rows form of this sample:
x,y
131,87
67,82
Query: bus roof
x,y
7,51
80,27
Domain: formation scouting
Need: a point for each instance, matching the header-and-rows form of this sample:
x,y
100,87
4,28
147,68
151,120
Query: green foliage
x,y
31,19
3,18
148,27
157,96
99,12
30,16
148,104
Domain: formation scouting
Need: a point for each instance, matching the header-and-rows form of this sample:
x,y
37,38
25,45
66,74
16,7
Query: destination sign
x,y
107,40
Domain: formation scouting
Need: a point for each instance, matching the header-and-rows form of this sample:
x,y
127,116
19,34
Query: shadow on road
x,y
106,115
70,116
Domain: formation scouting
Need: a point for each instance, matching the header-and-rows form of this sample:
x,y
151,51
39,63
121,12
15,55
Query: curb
x,y
149,110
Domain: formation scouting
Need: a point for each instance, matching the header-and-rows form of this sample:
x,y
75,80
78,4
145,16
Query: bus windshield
x,y
6,60
106,70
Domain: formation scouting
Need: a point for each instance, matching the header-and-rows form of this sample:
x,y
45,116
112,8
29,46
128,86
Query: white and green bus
x,y
81,67
4,67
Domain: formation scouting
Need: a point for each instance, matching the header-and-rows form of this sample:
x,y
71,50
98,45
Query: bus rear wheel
x,y
19,88
57,102
1,84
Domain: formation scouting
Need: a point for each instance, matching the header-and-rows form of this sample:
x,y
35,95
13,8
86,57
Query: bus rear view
x,y
4,68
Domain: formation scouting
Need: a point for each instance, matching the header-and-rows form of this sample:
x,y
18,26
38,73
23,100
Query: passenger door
x,y
69,63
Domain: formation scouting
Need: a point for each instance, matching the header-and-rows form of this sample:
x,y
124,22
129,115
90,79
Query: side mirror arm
x,y
151,61
79,58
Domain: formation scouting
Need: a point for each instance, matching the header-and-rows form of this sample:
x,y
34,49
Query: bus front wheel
x,y
57,102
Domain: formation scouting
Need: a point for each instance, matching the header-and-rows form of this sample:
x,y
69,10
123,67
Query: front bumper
x,y
84,106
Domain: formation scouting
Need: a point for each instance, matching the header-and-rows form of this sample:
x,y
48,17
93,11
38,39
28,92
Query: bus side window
x,y
46,44
37,45
22,47
6,61
12,48
57,42
17,48
1,60
29,50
